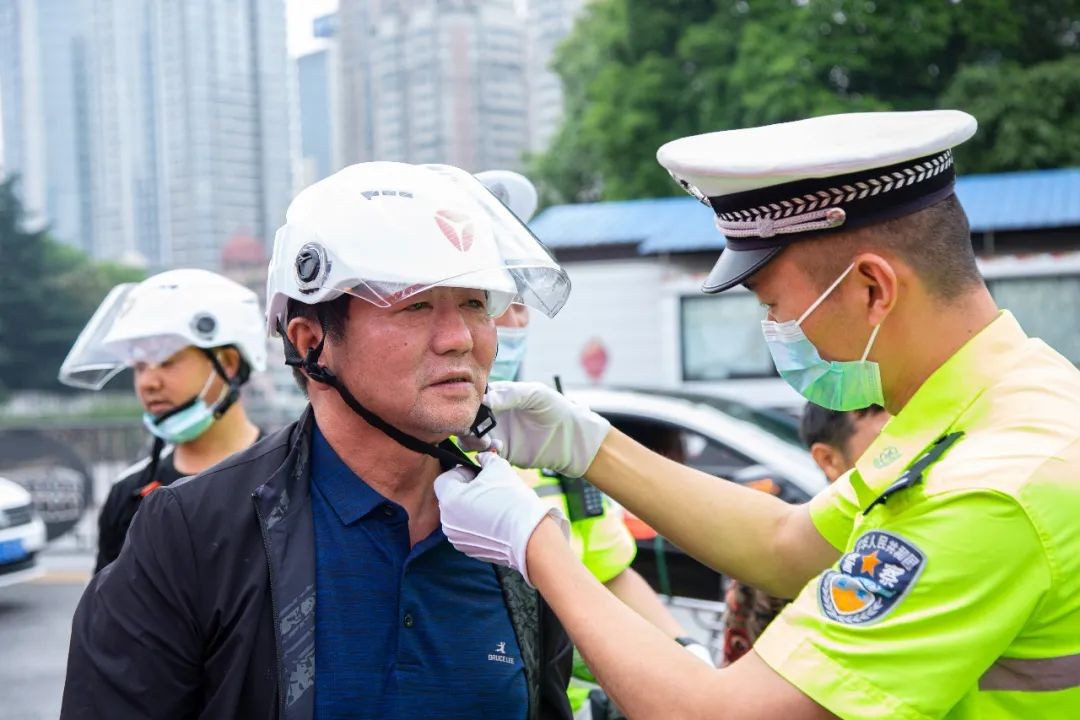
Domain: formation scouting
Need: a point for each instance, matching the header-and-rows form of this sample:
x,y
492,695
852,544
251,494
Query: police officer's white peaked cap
x,y
773,185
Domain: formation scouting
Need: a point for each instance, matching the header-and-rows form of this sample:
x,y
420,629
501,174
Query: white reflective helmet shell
x,y
385,231
152,320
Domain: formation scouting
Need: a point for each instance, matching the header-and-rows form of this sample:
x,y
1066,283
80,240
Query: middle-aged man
x,y
835,439
308,577
941,577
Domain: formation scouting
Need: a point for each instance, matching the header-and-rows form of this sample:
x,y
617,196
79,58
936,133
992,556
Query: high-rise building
x,y
122,142
43,94
157,129
354,31
434,81
549,22
315,86
225,131
317,78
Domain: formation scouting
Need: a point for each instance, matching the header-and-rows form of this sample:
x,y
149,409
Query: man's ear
x,y
229,357
304,334
829,459
879,277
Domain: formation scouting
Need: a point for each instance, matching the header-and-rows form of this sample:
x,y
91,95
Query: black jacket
x,y
125,497
209,611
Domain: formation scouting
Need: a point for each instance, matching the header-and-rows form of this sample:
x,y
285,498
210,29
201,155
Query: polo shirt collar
x,y
345,491
936,405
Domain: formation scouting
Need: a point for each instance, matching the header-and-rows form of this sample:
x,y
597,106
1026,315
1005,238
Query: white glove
x,y
492,516
539,428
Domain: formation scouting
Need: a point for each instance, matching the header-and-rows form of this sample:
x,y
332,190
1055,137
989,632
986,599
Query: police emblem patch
x,y
871,579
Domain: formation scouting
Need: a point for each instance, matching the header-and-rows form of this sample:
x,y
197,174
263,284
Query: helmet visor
x,y
448,231
99,354
539,281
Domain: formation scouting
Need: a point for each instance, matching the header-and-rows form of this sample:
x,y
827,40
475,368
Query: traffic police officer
x,y
940,577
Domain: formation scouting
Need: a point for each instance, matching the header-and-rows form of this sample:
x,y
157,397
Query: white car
x,y
716,435
22,534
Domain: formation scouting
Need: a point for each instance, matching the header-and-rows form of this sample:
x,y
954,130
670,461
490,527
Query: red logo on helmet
x,y
457,227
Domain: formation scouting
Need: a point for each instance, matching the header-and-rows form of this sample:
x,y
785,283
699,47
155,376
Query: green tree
x,y
638,73
1029,118
49,292
625,93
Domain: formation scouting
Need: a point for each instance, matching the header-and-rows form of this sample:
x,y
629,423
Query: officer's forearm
x,y
636,594
738,531
641,668
644,671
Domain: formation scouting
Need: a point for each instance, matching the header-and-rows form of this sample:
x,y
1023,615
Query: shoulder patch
x,y
870,580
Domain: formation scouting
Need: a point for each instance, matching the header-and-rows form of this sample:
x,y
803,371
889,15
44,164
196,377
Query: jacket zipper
x,y
279,668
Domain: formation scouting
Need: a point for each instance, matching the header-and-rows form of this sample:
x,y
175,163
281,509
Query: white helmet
x,y
385,231
514,190
152,320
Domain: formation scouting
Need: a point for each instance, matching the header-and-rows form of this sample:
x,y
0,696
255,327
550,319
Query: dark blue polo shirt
x,y
402,632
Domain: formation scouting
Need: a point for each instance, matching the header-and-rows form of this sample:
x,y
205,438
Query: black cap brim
x,y
735,266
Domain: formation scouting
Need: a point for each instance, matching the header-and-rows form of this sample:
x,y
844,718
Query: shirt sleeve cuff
x,y
830,516
826,681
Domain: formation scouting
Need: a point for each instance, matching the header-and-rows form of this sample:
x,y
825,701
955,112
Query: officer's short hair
x,y
832,427
335,315
935,242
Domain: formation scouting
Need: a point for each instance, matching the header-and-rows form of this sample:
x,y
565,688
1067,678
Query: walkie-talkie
x,y
583,500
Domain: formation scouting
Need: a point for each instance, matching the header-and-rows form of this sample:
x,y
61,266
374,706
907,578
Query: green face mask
x,y
511,353
185,423
851,385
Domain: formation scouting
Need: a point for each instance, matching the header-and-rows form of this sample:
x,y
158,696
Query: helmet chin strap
x,y
445,452
232,385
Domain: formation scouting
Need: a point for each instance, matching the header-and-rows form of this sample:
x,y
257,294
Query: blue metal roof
x,y
623,222
999,202
1021,200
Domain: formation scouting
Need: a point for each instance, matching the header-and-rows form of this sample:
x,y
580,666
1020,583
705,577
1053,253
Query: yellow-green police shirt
x,y
958,593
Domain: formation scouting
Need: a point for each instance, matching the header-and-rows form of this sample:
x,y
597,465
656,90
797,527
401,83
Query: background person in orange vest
x,y
835,440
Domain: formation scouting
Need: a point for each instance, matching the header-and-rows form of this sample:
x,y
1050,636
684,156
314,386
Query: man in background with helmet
x,y
192,339
308,576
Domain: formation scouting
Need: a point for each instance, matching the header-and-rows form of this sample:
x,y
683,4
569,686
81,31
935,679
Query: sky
x,y
299,14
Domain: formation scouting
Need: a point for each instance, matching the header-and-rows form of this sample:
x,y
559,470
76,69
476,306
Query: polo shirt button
x,y
409,622
388,511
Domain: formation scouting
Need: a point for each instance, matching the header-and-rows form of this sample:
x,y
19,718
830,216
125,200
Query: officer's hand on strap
x,y
492,516
539,428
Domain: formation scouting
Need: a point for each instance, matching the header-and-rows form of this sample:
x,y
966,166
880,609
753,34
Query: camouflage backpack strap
x,y
524,606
